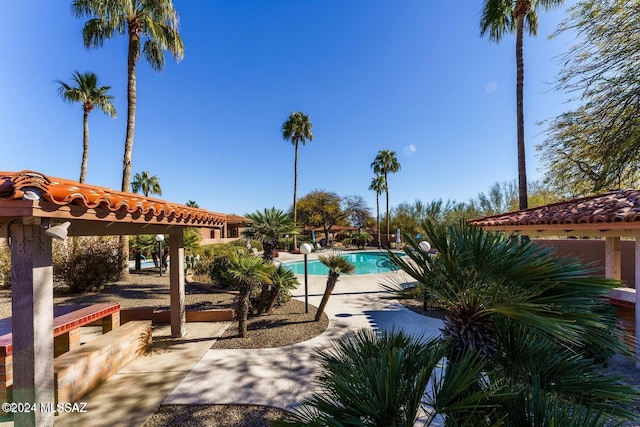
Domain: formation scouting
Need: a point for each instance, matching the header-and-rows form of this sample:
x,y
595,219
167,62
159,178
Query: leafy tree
x,y
594,146
297,128
325,209
379,185
146,183
85,90
385,163
360,239
501,198
154,21
192,204
268,227
248,272
508,16
337,265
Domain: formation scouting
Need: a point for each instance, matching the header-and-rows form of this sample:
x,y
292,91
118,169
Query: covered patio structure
x,y
30,203
609,216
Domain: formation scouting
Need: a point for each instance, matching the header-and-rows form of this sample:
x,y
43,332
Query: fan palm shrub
x,y
247,272
536,319
282,282
379,380
268,227
337,265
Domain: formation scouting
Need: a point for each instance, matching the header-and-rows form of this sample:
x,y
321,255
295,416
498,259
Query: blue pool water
x,y
365,262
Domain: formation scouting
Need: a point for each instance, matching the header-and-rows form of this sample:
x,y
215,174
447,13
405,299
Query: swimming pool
x,y
365,262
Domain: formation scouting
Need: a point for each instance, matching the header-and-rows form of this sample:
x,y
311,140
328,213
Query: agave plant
x,y
337,265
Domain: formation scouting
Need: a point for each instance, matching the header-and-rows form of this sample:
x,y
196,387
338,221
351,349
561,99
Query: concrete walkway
x,y
282,377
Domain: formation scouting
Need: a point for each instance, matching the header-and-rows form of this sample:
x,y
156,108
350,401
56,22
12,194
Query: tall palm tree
x,y
508,16
146,183
153,20
247,271
85,90
337,265
385,163
297,129
268,227
379,185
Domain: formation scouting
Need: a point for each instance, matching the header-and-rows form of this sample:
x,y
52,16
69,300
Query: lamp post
x,y
160,239
426,247
306,250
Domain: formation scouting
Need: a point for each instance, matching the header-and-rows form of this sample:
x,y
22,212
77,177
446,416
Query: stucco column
x,y
612,258
32,313
637,320
178,314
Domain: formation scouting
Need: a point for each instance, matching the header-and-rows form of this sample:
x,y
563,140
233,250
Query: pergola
x,y
30,203
610,216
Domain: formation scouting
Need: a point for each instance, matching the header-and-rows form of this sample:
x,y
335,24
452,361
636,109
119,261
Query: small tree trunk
x,y
331,284
273,295
263,298
243,310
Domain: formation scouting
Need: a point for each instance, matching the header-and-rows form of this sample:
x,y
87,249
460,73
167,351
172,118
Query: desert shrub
x,y
5,265
218,272
92,264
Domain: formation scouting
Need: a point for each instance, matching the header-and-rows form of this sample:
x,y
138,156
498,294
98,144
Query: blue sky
x,y
412,76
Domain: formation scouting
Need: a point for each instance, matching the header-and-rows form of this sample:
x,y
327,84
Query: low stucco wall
x,y
591,252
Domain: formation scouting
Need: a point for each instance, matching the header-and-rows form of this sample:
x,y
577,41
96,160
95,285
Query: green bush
x,y
88,264
5,266
218,272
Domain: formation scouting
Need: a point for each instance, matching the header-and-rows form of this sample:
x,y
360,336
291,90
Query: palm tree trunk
x,y
387,192
378,216
243,310
85,146
273,295
295,192
134,48
522,168
264,293
331,284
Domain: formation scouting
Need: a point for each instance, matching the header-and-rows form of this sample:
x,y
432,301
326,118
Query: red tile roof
x,y
621,206
63,192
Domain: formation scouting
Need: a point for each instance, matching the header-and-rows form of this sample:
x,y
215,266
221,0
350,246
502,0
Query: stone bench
x,y
81,370
66,332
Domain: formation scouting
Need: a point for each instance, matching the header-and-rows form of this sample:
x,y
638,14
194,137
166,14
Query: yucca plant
x,y
248,272
337,265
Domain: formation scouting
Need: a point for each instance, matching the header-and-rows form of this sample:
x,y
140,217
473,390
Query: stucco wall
x,y
591,251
